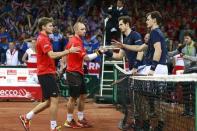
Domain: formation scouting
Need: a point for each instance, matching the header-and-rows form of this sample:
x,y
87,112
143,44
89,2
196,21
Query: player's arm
x,y
156,56
55,55
116,56
136,48
138,59
137,62
90,57
140,55
191,58
24,58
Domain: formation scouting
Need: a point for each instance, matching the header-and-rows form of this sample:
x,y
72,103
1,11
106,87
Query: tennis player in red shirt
x,y
75,77
46,74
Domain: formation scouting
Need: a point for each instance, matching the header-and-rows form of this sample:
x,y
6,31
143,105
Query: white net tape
x,y
171,78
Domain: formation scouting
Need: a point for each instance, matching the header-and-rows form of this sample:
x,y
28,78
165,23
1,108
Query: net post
x,y
115,85
195,105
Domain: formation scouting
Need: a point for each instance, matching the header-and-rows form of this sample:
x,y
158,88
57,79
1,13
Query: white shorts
x,y
160,69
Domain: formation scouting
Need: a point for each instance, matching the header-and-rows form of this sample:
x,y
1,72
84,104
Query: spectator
x,y
30,55
188,49
57,40
112,30
18,17
21,46
12,55
4,40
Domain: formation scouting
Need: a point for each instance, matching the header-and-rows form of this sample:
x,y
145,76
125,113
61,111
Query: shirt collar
x,y
43,34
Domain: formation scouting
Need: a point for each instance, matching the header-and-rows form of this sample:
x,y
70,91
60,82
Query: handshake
x,y
101,51
105,50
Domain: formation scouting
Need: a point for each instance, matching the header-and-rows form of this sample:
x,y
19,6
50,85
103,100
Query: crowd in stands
x,y
18,19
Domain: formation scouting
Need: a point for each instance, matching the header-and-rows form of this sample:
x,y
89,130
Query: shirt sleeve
x,y
46,47
71,42
138,39
155,37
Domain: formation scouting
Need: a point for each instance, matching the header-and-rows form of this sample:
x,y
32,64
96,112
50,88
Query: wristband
x,y
92,56
154,65
109,53
136,64
98,52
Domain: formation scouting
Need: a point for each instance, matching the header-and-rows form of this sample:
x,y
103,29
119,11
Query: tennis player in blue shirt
x,y
156,56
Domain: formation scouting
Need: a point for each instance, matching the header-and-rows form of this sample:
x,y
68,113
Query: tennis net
x,y
159,103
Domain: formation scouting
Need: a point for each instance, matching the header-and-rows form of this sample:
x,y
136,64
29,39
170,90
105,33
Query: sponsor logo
x,y
21,93
32,72
93,66
22,72
22,79
11,72
2,77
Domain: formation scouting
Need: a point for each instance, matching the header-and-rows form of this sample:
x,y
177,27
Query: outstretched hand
x,y
134,71
103,49
74,49
117,43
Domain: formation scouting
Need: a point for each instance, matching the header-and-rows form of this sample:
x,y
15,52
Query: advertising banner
x,y
19,83
93,68
17,76
21,92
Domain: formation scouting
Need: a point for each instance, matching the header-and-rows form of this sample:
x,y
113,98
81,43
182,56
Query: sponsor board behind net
x,y
20,93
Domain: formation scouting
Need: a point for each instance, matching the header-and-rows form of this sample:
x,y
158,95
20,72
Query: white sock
x,y
30,115
53,124
80,115
69,117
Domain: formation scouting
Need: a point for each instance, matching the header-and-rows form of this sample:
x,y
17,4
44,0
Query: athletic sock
x,y
69,117
80,115
30,115
53,124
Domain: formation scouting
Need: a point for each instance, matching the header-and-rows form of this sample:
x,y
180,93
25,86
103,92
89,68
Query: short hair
x,y
12,43
44,21
125,19
155,15
121,1
76,25
188,33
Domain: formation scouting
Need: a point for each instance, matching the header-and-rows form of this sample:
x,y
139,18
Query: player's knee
x,y
46,103
72,99
54,100
82,96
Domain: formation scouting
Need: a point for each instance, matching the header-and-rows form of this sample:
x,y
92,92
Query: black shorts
x,y
76,84
48,85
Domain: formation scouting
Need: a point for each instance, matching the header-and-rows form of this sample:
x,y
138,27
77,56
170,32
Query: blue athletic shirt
x,y
156,36
134,38
56,41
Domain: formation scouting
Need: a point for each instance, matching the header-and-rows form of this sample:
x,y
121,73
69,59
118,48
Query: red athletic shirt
x,y
75,60
45,65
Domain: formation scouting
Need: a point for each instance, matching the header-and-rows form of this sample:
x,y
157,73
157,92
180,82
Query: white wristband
x,y
92,56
